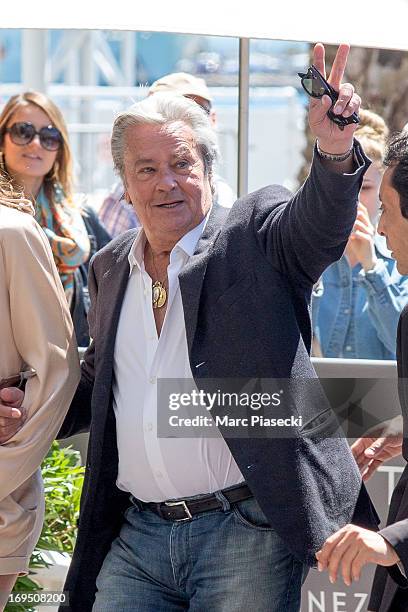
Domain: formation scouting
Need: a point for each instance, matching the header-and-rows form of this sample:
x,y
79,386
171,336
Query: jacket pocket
x,y
323,424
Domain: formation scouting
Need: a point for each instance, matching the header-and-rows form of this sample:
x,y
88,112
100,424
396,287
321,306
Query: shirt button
x,y
346,311
159,474
152,380
149,427
348,347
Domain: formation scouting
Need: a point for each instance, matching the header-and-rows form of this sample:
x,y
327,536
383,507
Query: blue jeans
x,y
227,560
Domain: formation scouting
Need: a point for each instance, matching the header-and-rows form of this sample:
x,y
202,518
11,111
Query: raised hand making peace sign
x,y
331,138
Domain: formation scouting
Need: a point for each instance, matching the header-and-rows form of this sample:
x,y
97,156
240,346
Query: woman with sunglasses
x,y
36,156
37,344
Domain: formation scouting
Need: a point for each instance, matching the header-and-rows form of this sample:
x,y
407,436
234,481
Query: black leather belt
x,y
185,509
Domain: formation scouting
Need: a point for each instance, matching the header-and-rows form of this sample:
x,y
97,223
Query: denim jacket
x,y
355,313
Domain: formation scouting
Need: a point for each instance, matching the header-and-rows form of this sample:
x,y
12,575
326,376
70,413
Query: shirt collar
x,y
135,256
187,244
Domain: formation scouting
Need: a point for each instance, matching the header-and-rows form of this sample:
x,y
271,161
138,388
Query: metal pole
x,y
243,116
34,59
88,76
72,77
128,57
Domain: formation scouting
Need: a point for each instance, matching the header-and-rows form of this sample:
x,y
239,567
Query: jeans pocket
x,y
128,512
249,514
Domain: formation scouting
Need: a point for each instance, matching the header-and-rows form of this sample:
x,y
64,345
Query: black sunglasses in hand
x,y
23,132
316,86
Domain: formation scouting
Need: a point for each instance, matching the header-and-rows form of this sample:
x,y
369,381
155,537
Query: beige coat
x,y
35,331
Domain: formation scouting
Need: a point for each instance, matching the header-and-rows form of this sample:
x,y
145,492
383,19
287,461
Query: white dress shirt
x,y
152,468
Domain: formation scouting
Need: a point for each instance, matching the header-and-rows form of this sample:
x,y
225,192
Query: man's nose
x,y
380,227
167,180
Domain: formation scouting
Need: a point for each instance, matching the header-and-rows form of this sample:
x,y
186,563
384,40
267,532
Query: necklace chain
x,y
159,292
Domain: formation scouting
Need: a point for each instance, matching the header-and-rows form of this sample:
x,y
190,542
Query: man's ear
x,y
127,197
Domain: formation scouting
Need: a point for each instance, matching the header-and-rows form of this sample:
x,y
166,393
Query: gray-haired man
x,y
225,524
115,213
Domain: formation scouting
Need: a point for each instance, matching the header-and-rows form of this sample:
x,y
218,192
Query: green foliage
x,y
63,479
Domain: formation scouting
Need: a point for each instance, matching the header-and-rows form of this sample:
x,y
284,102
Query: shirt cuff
x,y
401,569
396,536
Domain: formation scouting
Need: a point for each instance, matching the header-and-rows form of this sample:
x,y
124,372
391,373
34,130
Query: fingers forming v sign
x,y
331,139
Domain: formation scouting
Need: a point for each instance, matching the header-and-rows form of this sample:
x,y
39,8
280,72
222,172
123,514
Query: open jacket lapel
x,y
114,281
112,289
192,277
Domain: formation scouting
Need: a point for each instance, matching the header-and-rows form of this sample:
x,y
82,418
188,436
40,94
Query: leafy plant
x,y
63,479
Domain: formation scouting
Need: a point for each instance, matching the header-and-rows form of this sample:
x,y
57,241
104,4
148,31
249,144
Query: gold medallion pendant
x,y
159,294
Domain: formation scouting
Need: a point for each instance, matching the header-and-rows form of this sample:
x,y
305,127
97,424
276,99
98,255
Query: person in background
x,y
348,550
37,344
98,238
115,213
358,301
35,155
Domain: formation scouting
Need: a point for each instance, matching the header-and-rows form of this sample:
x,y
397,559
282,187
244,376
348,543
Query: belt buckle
x,y
185,507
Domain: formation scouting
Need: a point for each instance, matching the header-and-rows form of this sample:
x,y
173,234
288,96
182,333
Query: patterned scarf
x,y
66,231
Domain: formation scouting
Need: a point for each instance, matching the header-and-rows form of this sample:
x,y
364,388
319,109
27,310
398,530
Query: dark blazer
x,y
390,588
246,294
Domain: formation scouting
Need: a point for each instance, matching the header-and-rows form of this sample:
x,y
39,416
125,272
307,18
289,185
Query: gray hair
x,y
160,109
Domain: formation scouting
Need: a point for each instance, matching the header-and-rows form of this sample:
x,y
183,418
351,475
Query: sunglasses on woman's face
x,y
23,132
316,86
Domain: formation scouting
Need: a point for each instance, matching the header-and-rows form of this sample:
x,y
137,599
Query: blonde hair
x,y
61,172
372,133
13,198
